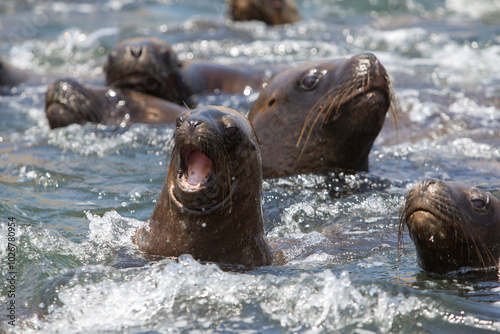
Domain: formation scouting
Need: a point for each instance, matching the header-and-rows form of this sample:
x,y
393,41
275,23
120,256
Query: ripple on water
x,y
190,296
443,56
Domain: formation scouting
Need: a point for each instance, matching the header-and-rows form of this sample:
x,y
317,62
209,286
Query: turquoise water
x,y
78,193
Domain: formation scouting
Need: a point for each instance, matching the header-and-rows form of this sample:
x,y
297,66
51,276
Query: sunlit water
x,y
79,193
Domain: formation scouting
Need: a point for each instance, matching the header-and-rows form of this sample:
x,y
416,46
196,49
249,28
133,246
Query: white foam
x,y
187,295
474,8
86,140
112,230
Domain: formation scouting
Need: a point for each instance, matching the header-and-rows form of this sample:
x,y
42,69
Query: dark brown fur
x,y
219,219
68,101
10,75
147,65
453,226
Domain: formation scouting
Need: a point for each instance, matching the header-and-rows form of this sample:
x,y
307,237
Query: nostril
x,y
194,123
136,51
271,102
427,183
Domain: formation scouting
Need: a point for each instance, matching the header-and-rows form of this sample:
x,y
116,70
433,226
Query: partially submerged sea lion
x,y
454,226
210,204
268,11
67,101
321,116
149,65
11,75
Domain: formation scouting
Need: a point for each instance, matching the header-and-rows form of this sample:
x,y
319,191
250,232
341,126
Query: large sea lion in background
x,y
454,226
210,204
67,102
321,116
268,11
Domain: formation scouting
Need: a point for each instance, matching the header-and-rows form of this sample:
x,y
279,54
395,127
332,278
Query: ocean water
x,y
78,193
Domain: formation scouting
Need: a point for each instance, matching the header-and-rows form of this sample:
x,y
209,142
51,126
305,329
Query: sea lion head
x,y
215,157
210,204
67,102
453,226
11,76
322,115
269,11
147,65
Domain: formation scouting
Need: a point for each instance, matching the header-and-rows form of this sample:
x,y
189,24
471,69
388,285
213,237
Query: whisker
x,y
324,106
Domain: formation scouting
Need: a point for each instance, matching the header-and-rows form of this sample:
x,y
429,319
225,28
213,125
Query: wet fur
x,y
471,244
331,102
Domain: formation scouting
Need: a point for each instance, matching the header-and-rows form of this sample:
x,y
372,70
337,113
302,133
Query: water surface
x,y
79,193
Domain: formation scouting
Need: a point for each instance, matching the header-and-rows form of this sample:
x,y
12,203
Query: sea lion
x,y
210,204
269,11
147,65
67,101
453,226
150,65
321,116
316,117
11,75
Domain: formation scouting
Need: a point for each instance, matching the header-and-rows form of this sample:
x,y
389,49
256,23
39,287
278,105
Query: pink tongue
x,y
198,167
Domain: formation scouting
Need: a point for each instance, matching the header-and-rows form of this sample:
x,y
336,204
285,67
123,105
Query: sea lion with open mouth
x,y
321,116
210,204
453,226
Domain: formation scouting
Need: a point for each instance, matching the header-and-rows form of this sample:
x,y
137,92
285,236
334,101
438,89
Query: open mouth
x,y
196,169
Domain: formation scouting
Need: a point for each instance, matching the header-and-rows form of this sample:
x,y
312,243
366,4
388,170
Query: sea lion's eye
x,y
309,82
478,203
178,121
232,132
